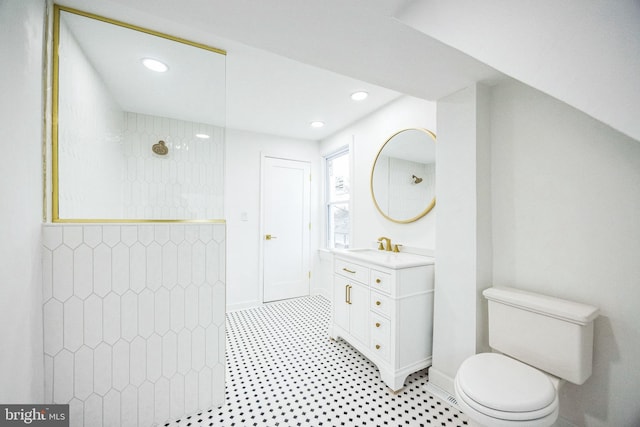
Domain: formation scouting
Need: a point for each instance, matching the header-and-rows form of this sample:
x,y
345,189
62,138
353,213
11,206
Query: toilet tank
x,y
551,334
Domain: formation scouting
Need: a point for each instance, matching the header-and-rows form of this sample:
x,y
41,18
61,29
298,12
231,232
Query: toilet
x,y
538,342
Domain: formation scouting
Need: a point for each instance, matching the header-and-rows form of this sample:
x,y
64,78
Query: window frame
x,y
329,242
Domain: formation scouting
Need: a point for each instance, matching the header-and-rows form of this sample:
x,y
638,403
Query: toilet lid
x,y
504,384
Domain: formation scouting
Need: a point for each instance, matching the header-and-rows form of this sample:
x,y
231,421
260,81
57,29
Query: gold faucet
x,y
387,247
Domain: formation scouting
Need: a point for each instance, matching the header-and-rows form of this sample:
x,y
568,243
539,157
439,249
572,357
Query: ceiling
x,y
290,62
192,89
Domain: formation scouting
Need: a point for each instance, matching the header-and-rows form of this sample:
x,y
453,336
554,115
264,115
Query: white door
x,y
286,218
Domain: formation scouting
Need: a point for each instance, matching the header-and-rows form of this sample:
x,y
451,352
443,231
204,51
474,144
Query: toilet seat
x,y
505,389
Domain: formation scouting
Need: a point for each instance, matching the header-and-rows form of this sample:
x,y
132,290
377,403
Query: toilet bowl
x,y
496,390
539,342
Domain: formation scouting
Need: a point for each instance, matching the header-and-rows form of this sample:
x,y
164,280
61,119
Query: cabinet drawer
x,y
351,270
380,336
381,303
381,281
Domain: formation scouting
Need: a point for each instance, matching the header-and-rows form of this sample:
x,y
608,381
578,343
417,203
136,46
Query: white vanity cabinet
x,y
383,306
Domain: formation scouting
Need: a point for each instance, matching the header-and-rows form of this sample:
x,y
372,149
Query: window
x,y
338,193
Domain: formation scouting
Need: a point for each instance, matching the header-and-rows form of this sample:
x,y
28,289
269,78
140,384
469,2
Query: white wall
x,y
21,125
463,230
243,151
368,136
186,183
90,132
566,209
556,215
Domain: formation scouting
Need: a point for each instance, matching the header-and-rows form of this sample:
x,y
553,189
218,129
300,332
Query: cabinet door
x,y
359,315
340,305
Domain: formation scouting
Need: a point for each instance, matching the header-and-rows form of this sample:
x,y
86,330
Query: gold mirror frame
x,y
431,204
55,217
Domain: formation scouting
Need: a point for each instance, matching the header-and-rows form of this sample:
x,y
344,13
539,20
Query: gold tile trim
x,y
137,221
58,8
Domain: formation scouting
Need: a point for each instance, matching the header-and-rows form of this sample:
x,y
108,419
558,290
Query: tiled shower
x,y
134,259
134,318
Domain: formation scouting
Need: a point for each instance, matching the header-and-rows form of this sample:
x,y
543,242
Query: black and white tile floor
x,y
283,370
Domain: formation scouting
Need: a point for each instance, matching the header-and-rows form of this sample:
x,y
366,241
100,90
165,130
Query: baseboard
x,y
441,395
322,292
254,304
440,379
441,386
243,305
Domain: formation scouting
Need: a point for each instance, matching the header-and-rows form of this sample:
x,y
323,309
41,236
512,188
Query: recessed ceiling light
x,y
155,65
202,136
317,124
359,96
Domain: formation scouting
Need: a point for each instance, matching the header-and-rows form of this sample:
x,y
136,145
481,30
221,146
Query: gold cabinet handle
x,y
378,303
269,237
348,293
348,271
377,346
377,324
378,280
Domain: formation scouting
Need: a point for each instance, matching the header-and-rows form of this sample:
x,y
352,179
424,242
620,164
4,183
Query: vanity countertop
x,y
394,260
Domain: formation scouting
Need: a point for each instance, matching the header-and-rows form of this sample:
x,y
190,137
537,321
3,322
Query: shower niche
x,y
138,124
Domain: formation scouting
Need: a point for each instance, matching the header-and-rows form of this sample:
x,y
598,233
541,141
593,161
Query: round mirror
x,y
403,177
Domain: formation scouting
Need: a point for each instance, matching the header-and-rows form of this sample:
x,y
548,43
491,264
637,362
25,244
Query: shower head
x,y
416,180
160,148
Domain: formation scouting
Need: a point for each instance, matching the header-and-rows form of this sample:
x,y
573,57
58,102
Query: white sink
x,y
387,259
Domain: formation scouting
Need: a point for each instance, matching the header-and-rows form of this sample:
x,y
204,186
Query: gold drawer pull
x,y
378,303
348,271
377,346
377,324
378,280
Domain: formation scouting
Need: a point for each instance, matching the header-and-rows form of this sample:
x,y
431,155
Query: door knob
x,y
269,237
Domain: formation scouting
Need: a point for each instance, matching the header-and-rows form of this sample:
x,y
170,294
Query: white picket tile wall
x,y
134,319
187,183
135,183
